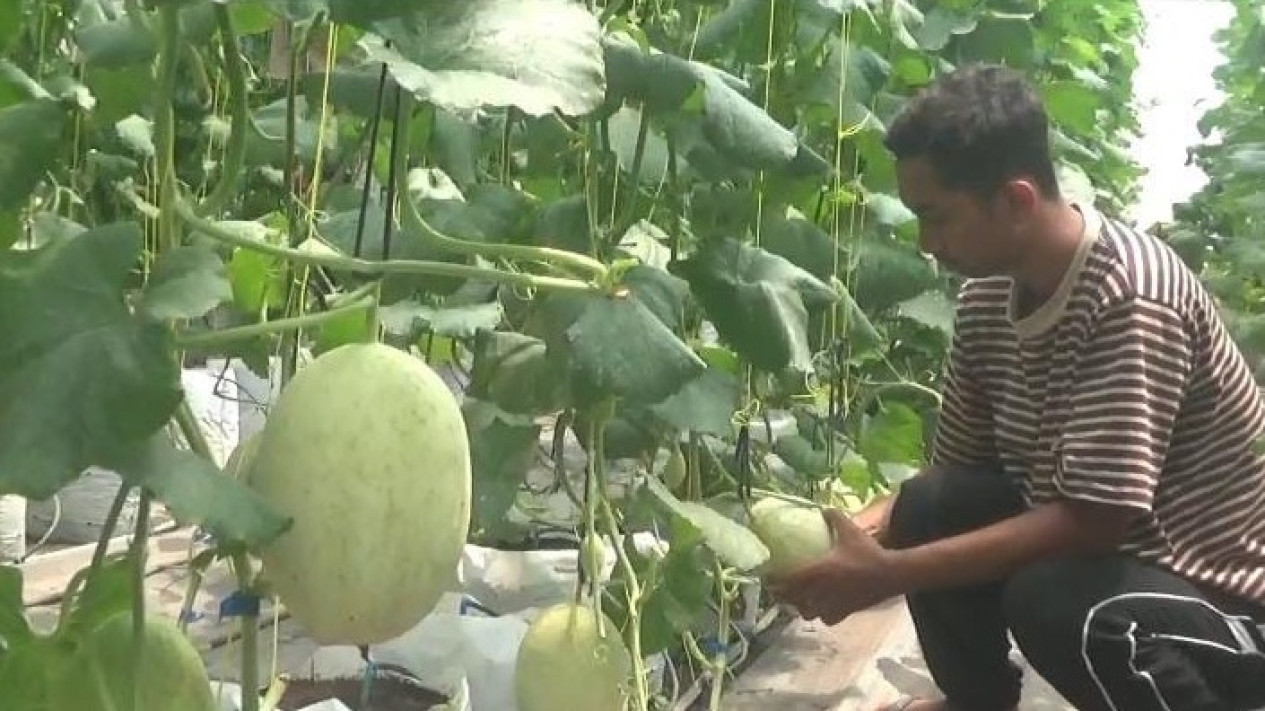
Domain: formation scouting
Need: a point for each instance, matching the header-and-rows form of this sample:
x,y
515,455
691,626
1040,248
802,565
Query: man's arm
x,y
1129,383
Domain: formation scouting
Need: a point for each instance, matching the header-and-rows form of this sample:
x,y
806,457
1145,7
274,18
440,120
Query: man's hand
x,y
853,576
875,518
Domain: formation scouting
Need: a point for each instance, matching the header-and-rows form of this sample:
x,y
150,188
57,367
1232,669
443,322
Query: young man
x,y
1095,489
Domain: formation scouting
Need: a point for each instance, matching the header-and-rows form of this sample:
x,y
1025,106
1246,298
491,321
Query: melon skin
x,y
795,535
99,676
563,664
366,449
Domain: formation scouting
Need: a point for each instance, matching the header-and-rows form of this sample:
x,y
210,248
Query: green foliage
x,y
1217,231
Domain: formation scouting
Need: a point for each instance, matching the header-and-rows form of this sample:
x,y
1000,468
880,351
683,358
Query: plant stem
x,y
165,124
337,262
235,151
241,567
720,661
219,337
250,636
98,554
581,263
137,554
641,689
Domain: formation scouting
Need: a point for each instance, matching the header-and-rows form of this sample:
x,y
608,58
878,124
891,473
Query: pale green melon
x,y
564,664
100,677
795,535
366,449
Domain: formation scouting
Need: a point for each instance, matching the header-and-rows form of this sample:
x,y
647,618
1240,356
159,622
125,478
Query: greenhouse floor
x,y
867,660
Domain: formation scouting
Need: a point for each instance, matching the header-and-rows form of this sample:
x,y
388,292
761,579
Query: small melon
x,y
565,664
795,535
366,449
100,675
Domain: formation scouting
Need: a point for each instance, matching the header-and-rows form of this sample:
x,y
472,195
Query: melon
x,y
794,534
564,663
100,676
366,450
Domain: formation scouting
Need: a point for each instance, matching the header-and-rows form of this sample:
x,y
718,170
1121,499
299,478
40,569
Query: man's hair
x,y
978,127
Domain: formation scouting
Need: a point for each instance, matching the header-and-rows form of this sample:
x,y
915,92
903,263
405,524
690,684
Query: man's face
x,y
971,235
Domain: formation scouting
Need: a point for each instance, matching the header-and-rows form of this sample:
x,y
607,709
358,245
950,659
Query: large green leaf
x,y
539,56
513,371
657,80
82,380
758,301
197,493
187,282
680,595
705,405
407,317
501,453
1072,104
893,435
32,134
618,347
889,272
734,543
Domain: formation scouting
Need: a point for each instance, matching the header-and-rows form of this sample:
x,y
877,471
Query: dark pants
x,y
1109,632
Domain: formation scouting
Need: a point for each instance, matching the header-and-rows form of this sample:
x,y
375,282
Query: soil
x,y
388,694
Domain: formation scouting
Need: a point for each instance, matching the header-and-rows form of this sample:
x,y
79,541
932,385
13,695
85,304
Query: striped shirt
x,y
1123,388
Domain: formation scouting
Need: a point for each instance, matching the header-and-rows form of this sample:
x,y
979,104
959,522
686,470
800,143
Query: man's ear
x,y
1021,196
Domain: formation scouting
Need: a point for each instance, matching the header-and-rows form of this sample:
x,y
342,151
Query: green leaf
x,y
348,327
734,543
256,280
658,80
705,405
408,317
998,37
539,56
197,493
663,293
82,380
889,272
187,282
1072,104
801,242
758,302
617,347
14,629
105,593
32,135
742,132
680,595
932,309
501,454
893,435
512,370
941,24
116,43
800,455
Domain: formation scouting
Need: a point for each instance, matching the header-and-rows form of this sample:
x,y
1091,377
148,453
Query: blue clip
x,y
239,604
